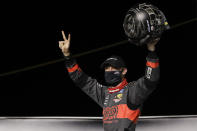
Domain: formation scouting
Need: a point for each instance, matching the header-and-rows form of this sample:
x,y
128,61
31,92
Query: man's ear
x,y
124,71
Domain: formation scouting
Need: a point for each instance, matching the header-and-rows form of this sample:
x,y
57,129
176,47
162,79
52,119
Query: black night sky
x,y
29,36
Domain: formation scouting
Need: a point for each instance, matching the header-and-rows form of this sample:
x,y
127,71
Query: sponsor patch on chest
x,y
118,98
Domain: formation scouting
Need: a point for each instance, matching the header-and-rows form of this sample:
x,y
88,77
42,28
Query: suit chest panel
x,y
116,98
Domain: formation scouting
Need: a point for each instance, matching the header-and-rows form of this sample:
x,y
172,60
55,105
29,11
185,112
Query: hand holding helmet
x,y
151,44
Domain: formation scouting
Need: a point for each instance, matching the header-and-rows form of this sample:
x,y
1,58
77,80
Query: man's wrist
x,y
152,48
67,54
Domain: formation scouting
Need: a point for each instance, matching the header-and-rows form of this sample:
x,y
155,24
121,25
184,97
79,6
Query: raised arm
x,y
144,86
89,85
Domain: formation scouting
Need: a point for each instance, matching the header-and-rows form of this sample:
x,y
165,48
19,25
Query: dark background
x,y
29,36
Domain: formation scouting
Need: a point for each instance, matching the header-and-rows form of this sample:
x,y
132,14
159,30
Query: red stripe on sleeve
x,y
74,68
152,64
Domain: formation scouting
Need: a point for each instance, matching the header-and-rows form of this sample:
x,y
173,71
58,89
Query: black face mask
x,y
113,78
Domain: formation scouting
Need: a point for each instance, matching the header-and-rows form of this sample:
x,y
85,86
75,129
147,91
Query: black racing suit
x,y
122,104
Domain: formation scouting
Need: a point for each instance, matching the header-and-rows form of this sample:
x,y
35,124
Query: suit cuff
x,y
69,61
152,57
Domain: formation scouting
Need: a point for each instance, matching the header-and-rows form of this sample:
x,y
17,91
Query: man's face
x,y
110,68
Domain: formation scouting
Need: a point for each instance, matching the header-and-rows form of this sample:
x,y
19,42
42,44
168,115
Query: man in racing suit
x,y
121,101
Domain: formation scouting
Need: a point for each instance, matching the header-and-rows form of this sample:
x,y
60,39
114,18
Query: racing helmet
x,y
143,23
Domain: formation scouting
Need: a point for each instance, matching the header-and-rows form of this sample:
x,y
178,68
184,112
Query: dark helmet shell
x,y
144,22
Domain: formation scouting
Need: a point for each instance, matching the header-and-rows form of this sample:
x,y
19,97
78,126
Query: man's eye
x,y
107,68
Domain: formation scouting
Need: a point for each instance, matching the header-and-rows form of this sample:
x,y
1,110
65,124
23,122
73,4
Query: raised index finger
x,y
64,37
